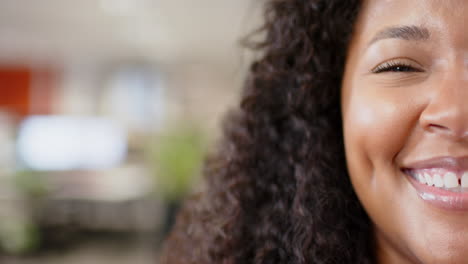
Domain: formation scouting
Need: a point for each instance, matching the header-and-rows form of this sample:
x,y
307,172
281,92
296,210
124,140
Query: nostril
x,y
452,132
446,113
445,119
437,127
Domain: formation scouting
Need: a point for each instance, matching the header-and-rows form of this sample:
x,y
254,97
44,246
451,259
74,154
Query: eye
x,y
396,66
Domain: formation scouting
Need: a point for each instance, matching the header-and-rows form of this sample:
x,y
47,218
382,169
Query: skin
x,y
399,116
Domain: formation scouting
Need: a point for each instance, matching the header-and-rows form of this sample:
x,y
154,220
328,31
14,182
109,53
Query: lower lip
x,y
441,198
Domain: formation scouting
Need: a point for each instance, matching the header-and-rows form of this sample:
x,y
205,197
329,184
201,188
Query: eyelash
x,y
395,66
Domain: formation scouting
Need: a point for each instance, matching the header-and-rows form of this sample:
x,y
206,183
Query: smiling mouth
x,y
442,182
441,178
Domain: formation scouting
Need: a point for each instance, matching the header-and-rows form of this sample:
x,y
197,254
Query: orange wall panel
x,y
15,86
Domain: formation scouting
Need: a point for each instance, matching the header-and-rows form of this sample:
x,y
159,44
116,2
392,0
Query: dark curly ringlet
x,y
278,191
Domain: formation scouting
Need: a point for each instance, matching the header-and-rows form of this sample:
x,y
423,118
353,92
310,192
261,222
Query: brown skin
x,y
395,117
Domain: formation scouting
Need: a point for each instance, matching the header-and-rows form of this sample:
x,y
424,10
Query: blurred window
x,y
67,143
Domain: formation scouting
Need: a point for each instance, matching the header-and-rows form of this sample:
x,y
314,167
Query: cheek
x,y
376,128
378,125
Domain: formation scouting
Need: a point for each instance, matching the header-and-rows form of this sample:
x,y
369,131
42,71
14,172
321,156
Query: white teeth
x,y
429,179
421,178
464,180
450,180
438,181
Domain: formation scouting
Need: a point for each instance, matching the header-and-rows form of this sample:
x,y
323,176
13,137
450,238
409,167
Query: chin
x,y
442,247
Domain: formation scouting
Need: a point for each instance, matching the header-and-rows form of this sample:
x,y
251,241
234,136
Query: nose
x,y
446,114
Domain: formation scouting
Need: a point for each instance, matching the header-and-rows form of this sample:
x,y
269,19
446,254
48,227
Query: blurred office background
x,y
106,110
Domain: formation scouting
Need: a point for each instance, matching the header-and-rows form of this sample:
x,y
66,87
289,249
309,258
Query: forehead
x,y
446,19
384,9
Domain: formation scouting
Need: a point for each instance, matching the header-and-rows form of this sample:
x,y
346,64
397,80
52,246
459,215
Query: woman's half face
x,y
405,114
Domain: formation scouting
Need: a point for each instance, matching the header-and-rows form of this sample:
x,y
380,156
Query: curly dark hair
x,y
278,190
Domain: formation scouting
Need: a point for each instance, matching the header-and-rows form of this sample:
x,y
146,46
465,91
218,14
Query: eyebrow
x,y
415,33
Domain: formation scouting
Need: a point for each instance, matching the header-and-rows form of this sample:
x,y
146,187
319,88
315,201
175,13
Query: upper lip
x,y
443,162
